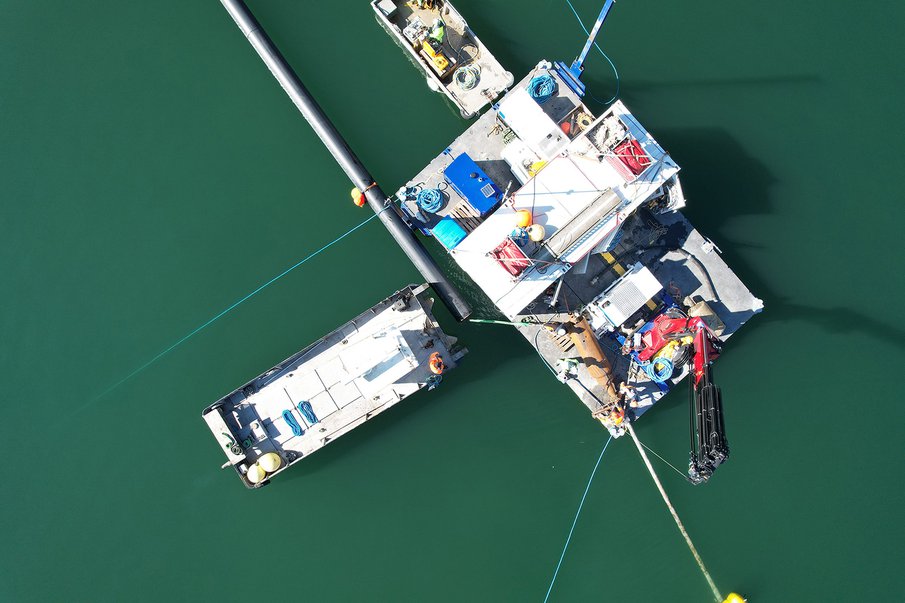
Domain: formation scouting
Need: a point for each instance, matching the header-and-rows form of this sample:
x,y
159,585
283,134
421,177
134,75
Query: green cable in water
x,y
600,50
235,305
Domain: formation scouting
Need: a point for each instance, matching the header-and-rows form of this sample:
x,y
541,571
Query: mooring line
x,y
716,593
233,306
575,521
674,468
488,321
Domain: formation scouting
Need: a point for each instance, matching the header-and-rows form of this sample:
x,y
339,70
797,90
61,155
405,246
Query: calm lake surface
x,y
153,173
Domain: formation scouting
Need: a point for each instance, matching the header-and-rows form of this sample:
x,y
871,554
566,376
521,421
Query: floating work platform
x,y
606,249
455,62
568,221
349,376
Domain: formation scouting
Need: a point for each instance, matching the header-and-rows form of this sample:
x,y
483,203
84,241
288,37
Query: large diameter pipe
x,y
582,335
347,160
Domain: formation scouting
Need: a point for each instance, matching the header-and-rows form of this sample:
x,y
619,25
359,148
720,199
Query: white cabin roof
x,y
565,187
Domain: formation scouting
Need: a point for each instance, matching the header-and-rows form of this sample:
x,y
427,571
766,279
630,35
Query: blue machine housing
x,y
473,184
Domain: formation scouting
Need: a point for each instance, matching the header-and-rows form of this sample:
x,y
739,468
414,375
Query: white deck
x,y
561,190
351,375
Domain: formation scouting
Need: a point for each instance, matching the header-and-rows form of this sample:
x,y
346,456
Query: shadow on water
x,y
722,182
756,83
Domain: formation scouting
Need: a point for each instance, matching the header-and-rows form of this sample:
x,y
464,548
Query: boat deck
x,y
486,141
407,22
349,376
691,270
599,218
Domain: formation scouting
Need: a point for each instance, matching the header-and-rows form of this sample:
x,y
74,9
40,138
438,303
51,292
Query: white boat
x,y
459,66
349,376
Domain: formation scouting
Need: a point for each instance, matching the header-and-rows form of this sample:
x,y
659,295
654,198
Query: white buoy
x,y
536,233
270,462
255,474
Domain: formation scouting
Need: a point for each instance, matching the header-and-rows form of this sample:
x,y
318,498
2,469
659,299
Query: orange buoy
x,y
566,127
436,364
524,219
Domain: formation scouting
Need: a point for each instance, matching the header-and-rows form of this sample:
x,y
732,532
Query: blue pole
x,y
571,75
577,64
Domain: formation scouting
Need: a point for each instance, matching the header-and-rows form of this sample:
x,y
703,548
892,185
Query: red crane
x,y
709,447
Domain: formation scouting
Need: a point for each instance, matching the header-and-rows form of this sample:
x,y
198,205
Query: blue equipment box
x,y
470,181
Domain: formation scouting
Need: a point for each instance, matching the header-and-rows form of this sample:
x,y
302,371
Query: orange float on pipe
x,y
436,364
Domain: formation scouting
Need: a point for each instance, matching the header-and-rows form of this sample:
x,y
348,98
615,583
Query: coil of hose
x,y
430,199
663,374
467,77
542,88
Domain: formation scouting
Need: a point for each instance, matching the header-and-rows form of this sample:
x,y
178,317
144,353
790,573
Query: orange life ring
x,y
436,364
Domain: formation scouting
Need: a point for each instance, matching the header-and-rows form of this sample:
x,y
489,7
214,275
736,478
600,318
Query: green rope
x,y
600,50
717,597
654,452
497,322
575,521
231,307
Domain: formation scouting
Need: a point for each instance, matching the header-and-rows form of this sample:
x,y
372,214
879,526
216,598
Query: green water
x,y
153,172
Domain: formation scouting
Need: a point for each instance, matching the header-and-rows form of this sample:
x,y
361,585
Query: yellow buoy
x,y
523,218
735,598
358,197
255,474
536,232
537,166
270,462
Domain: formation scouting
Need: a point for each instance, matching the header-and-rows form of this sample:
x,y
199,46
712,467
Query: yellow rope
x,y
716,593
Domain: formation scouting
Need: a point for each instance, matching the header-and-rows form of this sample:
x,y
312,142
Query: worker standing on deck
x,y
567,368
611,416
628,395
437,31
